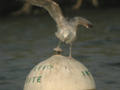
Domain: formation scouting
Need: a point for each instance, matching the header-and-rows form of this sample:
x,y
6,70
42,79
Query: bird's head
x,y
77,21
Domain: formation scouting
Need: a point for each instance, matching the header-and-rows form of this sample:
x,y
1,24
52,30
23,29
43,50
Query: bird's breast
x,y
66,36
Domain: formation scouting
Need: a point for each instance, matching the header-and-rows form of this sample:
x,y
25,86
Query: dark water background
x,y
26,41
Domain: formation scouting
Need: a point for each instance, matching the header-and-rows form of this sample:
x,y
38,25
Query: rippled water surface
x,y
26,41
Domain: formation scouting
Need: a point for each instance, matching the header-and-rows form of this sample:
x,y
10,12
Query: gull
x,y
66,29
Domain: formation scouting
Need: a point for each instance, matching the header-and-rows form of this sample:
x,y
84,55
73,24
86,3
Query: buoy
x,y
59,73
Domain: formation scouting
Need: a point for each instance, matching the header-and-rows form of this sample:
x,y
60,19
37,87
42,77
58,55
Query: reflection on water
x,y
25,41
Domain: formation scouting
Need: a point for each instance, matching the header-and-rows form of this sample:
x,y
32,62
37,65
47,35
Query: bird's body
x,y
67,29
66,33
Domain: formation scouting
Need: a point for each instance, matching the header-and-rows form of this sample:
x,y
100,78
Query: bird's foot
x,y
58,50
70,57
75,8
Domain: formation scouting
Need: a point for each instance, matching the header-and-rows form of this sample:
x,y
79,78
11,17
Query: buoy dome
x,y
59,73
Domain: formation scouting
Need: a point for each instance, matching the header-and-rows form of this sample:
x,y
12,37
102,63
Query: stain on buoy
x,y
59,73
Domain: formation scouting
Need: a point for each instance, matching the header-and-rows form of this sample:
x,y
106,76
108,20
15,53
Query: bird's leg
x,y
77,5
26,9
70,51
59,44
95,3
58,49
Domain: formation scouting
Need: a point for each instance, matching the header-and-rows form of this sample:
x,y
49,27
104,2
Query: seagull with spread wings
x,y
67,29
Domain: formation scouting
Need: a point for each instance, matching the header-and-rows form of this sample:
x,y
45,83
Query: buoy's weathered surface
x,y
59,73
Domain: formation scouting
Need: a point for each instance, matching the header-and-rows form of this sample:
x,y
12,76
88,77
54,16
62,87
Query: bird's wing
x,y
82,21
52,7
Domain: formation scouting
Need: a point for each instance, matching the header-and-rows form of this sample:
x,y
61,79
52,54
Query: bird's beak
x,y
89,26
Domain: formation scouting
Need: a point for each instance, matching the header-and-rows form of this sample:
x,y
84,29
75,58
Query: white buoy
x,y
59,73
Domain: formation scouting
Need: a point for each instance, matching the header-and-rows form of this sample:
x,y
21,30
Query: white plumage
x,y
66,29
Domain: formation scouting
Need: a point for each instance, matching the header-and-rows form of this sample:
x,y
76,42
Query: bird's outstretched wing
x,y
82,21
52,7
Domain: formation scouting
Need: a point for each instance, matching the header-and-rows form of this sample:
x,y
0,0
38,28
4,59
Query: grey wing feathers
x,y
52,7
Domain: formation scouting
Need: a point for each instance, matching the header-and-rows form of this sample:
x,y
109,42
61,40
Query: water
x,y
26,41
